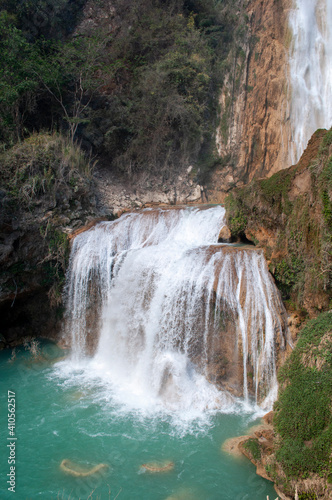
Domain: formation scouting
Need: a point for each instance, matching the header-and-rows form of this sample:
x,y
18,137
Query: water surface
x,y
60,415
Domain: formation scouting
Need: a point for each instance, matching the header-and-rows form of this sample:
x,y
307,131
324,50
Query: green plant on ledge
x,y
236,217
252,446
303,418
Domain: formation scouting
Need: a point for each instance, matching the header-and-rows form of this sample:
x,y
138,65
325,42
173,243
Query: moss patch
x,y
252,446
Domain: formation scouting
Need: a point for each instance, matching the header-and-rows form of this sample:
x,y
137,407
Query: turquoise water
x,y
61,416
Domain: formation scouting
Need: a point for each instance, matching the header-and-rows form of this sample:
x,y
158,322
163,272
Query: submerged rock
x,y
76,470
158,466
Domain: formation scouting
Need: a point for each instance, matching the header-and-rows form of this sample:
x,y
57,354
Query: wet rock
x,y
225,235
156,467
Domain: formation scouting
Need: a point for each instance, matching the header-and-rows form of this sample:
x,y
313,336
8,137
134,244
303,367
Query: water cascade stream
x,y
310,70
169,317
174,346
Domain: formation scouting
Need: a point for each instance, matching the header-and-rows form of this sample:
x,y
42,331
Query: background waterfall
x,y
164,310
310,71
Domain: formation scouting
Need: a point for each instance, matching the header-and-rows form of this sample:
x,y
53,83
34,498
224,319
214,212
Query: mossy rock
x,y
303,418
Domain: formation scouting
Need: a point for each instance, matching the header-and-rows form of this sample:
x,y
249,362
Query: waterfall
x,y
169,316
310,70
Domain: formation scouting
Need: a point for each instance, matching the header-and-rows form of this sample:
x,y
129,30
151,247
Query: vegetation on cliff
x,y
142,90
297,453
289,214
303,417
43,165
46,188
139,88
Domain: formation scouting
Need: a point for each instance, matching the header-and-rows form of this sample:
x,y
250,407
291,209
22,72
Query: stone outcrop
x,y
259,446
289,216
117,194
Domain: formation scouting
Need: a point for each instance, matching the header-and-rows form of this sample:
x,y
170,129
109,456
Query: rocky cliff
x,y
254,134
289,215
46,193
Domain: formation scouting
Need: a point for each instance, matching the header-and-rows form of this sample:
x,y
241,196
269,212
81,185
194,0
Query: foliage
x,y
326,142
67,72
44,164
18,83
145,94
54,268
44,18
252,445
327,208
167,106
307,496
275,190
56,75
162,112
303,416
236,213
288,272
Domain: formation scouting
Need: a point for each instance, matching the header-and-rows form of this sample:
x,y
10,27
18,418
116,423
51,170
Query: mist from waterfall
x,y
310,66
168,317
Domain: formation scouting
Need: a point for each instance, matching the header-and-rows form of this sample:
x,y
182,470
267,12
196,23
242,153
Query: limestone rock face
x,y
118,194
254,130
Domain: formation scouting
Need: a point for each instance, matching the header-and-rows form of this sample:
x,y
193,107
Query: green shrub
x,y
145,95
275,190
307,496
236,216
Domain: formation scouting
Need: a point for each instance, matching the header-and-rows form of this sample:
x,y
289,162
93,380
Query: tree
x,y
18,81
72,76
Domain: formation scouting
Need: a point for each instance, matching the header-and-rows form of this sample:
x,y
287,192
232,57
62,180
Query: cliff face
x,y
45,194
254,130
289,215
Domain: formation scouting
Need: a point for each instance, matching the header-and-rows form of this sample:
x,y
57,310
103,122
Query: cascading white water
x,y
170,304
310,70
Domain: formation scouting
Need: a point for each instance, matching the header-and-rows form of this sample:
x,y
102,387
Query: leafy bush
x,y
145,94
307,496
18,82
275,190
288,273
236,215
